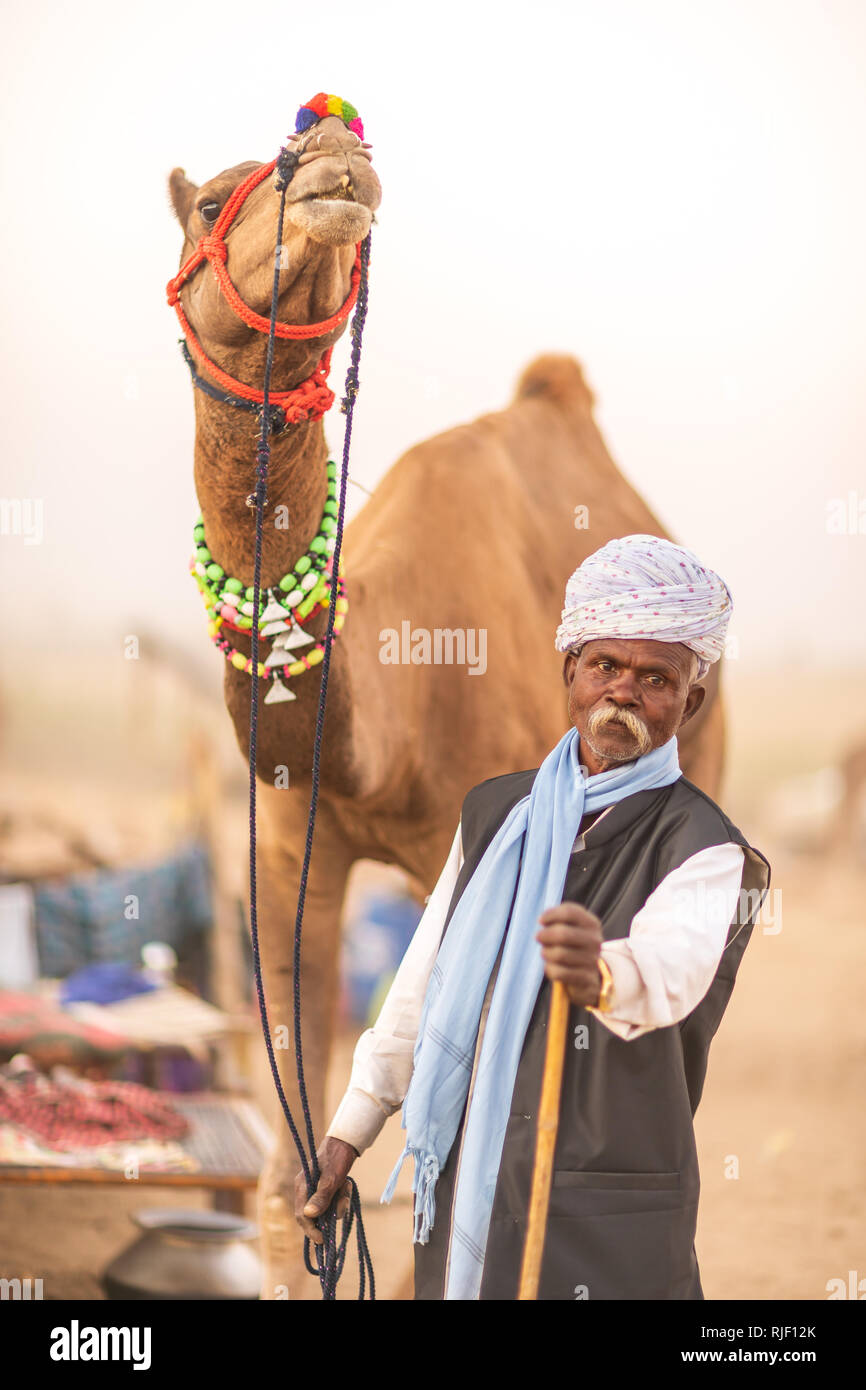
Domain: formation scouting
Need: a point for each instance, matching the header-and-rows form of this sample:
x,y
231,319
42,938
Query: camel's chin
x,y
332,221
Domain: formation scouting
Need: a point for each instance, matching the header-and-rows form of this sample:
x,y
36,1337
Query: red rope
x,y
282,330
312,397
308,401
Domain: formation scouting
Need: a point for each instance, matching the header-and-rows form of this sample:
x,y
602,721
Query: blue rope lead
x,y
330,1256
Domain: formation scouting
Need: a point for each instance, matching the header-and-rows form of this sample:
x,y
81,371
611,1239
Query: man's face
x,y
628,697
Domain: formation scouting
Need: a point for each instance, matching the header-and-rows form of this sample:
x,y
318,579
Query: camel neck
x,y
225,466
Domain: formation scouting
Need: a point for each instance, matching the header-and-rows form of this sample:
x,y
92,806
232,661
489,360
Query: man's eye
x,y
209,212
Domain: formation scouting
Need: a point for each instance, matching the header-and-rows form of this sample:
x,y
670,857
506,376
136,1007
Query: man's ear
x,y
694,700
182,194
568,667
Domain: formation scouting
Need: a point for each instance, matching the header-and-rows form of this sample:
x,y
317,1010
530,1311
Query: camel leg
x,y
282,829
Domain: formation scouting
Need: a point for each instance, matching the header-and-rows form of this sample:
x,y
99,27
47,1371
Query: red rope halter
x,y
312,397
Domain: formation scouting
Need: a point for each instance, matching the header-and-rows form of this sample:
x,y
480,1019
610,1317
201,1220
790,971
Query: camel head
x,y
329,208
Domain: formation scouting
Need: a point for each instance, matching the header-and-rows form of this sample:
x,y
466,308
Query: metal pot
x,y
187,1255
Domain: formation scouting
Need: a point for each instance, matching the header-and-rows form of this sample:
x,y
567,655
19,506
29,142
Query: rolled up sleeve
x,y
383,1058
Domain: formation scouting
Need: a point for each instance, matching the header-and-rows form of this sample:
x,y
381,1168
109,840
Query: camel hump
x,y
558,377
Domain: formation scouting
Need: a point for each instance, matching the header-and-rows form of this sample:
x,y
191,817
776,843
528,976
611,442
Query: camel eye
x,y
209,212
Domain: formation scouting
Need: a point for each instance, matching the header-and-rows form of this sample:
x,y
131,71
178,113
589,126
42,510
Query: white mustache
x,y
612,714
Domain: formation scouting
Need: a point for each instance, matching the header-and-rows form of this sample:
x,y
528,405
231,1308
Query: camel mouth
x,y
333,218
334,193
341,193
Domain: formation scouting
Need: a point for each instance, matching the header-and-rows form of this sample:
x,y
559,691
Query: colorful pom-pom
x,y
306,118
326,104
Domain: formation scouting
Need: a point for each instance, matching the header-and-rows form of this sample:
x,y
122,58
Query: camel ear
x,y
182,194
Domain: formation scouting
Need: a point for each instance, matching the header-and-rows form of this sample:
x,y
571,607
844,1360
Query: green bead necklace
x,y
230,597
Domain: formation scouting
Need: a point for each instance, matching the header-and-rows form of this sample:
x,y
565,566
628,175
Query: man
x,y
607,870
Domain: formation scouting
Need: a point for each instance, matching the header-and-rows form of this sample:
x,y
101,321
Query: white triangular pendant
x,y
279,692
277,657
294,637
273,628
273,612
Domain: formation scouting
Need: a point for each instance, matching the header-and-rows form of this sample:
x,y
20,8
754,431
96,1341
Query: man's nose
x,y
624,689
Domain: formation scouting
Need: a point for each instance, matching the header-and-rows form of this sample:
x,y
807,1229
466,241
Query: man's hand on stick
x,y
570,941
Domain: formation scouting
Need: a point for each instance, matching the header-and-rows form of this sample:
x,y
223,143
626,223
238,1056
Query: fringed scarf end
x,y
392,1181
424,1187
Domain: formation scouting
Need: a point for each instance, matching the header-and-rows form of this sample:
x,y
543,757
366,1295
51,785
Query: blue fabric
x,y
549,818
373,946
106,982
110,914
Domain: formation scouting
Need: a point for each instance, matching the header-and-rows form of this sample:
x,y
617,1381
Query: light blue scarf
x,y
549,817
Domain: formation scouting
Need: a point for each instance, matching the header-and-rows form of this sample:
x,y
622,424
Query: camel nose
x,y
334,163
330,136
329,131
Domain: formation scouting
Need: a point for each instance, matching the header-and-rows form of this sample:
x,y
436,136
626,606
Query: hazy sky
x,y
672,191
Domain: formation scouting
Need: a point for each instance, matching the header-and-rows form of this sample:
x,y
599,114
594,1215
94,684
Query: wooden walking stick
x,y
548,1124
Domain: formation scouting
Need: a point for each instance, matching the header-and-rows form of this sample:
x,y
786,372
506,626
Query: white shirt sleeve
x,y
660,971
383,1058
664,967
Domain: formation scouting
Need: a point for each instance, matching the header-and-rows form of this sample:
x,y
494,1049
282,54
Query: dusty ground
x,y
784,1094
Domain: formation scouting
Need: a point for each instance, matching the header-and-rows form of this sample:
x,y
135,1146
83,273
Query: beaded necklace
x,y
283,607
230,594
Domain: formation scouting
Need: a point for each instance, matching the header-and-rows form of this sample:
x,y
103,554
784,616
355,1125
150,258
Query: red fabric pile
x,y
69,1113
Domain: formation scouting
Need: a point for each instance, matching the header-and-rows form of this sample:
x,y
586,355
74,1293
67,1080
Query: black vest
x,y
624,1200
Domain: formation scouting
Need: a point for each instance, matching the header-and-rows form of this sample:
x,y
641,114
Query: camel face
x,y
329,208
335,191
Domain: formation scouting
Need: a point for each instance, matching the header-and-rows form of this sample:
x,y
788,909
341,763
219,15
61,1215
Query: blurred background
x,y
672,193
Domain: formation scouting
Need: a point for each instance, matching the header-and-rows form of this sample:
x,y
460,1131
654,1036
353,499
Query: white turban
x,y
646,587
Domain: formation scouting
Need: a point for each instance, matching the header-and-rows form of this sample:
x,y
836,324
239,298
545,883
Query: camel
x,y
474,531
